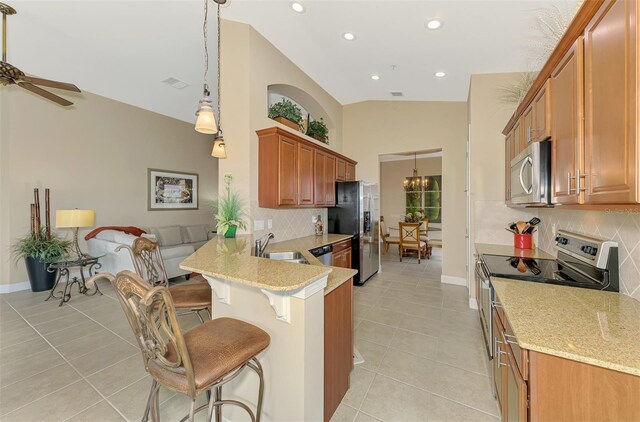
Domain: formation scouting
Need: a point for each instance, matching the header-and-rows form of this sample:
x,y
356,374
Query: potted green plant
x,y
230,211
287,113
38,247
318,130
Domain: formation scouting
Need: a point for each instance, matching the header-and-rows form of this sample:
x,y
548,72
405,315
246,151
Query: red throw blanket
x,y
127,229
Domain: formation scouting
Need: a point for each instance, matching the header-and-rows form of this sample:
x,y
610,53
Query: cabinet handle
x,y
499,353
529,130
496,304
569,177
509,338
579,189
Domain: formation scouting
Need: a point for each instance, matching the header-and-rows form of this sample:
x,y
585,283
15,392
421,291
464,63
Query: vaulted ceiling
x,y
125,49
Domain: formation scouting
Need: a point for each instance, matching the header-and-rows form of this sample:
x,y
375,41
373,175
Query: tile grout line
x,y
72,367
108,329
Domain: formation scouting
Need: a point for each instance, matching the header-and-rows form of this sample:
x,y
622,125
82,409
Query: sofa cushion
x,y
124,239
108,235
179,251
169,235
195,233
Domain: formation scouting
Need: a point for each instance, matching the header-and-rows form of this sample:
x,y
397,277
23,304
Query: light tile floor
x,y
422,345
423,349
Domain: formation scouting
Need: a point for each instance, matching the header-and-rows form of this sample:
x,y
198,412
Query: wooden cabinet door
x,y
528,121
509,149
515,399
330,180
347,258
567,129
341,169
498,363
611,78
305,174
351,172
518,138
542,113
287,172
319,179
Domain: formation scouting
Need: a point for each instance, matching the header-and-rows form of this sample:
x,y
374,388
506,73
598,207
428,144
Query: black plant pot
x,y
39,277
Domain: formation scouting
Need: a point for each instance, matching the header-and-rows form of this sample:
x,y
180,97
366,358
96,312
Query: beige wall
x,y
94,155
249,65
374,128
392,175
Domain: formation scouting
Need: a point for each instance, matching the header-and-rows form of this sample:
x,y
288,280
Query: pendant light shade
x,y
219,148
206,119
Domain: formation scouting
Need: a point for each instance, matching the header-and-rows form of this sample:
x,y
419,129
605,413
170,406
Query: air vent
x,y
397,94
175,83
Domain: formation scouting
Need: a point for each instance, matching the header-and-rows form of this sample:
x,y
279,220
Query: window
x,y
424,196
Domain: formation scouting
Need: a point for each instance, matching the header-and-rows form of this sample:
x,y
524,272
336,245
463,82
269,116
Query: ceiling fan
x,y
10,74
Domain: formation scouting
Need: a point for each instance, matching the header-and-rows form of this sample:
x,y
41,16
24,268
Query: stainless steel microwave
x,y
531,175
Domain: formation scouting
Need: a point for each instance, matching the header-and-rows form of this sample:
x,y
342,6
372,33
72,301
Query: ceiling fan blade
x,y
50,83
45,94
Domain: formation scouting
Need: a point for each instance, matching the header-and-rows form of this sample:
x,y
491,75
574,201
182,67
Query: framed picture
x,y
172,190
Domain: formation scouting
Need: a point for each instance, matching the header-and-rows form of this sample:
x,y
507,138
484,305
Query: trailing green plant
x,y
32,246
230,209
287,109
320,129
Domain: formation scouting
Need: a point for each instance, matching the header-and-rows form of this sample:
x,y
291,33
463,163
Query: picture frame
x,y
171,190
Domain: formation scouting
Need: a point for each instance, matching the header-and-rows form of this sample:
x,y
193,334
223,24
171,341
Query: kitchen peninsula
x,y
296,305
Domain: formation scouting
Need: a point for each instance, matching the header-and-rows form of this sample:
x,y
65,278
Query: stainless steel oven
x,y
485,295
531,175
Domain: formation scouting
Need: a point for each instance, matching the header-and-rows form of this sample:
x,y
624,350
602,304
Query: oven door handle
x,y
526,161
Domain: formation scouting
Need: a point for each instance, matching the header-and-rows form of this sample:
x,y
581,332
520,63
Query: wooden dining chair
x,y
410,240
424,235
386,238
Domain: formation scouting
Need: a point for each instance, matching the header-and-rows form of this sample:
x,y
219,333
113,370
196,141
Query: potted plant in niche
x,y
230,211
318,130
39,246
287,113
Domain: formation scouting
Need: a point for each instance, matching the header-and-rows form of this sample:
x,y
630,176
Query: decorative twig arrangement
x,y
35,215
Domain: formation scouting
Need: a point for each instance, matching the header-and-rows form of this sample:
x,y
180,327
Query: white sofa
x,y
176,243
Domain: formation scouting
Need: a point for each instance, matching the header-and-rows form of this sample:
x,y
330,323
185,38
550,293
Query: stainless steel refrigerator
x,y
357,212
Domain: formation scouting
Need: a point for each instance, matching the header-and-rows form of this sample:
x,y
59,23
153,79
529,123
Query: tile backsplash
x,y
622,227
287,224
491,218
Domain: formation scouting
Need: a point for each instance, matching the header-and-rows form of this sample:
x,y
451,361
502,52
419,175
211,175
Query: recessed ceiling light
x,y
348,36
375,77
433,24
297,7
440,74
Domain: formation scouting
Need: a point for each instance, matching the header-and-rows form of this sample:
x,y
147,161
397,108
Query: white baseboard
x,y
14,287
449,279
472,303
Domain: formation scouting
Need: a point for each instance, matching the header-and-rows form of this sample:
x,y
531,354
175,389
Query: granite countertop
x,y
590,326
231,259
508,250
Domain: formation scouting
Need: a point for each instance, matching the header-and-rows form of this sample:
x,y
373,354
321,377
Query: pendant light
x,y
205,119
219,147
413,183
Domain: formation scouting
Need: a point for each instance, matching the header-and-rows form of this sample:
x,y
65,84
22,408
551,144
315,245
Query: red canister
x,y
522,241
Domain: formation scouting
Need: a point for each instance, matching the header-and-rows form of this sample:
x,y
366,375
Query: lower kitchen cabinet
x,y
498,367
342,254
338,345
514,408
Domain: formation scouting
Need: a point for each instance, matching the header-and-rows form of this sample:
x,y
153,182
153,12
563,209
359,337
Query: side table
x,y
63,265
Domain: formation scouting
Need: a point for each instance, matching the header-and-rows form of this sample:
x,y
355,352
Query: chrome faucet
x,y
262,243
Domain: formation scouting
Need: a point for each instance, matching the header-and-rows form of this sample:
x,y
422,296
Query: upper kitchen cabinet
x,y
541,128
351,172
509,153
566,131
345,170
297,173
611,95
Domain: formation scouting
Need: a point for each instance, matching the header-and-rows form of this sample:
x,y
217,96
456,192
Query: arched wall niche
x,y
306,102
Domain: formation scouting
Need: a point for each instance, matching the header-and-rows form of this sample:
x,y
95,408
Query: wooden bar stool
x,y
148,263
199,360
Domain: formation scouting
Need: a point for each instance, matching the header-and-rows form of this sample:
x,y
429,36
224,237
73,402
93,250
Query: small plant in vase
x,y
39,246
287,113
414,217
230,211
318,130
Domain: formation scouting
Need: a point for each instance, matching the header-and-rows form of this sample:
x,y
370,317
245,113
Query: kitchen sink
x,y
295,257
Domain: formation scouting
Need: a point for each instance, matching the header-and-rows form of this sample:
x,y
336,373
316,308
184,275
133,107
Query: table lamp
x,y
75,219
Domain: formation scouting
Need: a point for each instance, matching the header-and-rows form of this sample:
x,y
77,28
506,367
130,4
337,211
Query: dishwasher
x,y
324,254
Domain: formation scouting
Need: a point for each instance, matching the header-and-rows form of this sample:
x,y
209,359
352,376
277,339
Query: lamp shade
x,y
219,149
206,120
75,218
